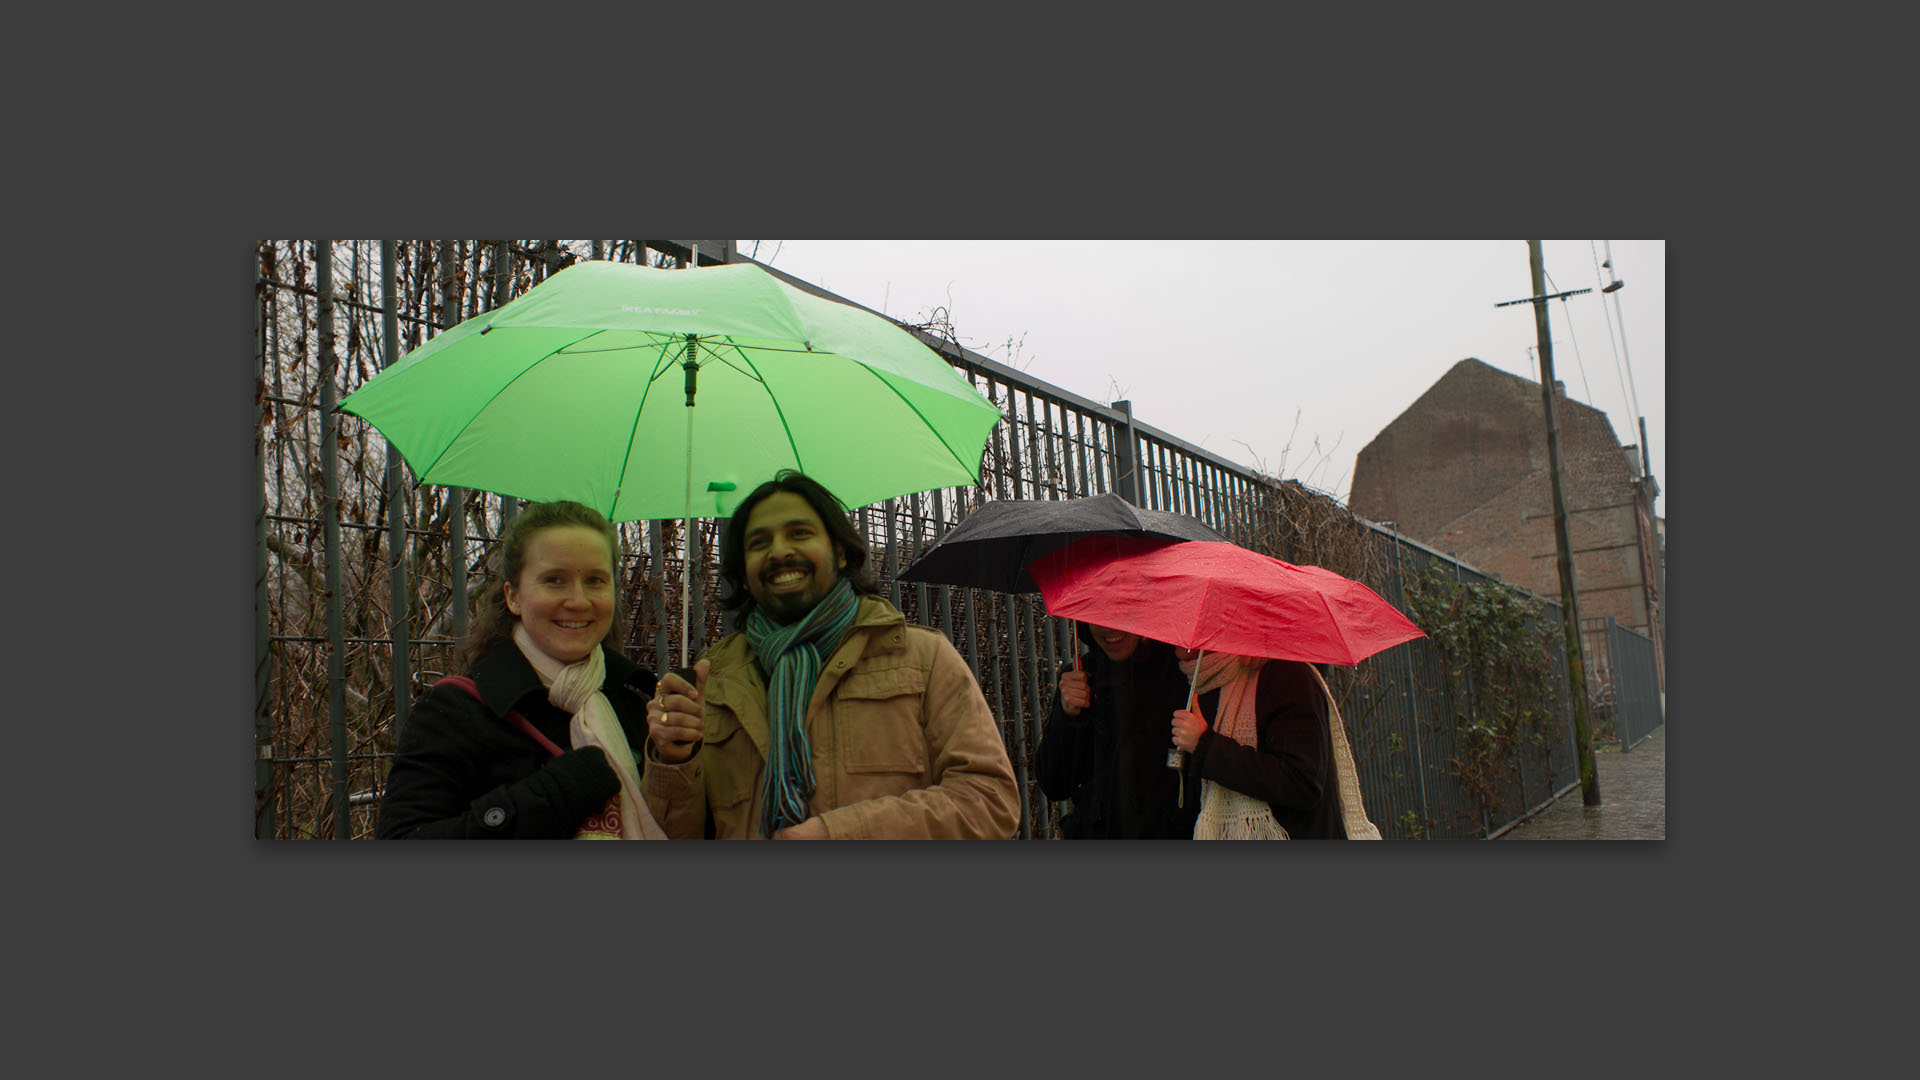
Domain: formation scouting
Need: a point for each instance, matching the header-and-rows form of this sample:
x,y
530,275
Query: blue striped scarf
x,y
791,656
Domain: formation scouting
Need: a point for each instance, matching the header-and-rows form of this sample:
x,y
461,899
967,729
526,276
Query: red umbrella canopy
x,y
1219,597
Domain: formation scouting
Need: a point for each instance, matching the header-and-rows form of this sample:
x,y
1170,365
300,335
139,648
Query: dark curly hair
x,y
733,547
492,622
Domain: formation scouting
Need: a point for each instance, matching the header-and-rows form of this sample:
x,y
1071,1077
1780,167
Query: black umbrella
x,y
992,547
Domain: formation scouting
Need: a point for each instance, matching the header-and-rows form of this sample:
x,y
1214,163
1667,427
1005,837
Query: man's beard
x,y
789,608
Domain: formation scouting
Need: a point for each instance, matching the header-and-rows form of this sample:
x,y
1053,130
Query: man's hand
x,y
811,829
677,715
1076,693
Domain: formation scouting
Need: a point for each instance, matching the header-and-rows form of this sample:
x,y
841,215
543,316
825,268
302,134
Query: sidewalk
x,y
1633,799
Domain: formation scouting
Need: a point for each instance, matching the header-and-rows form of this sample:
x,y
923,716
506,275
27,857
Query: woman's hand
x,y
1075,692
1187,729
676,715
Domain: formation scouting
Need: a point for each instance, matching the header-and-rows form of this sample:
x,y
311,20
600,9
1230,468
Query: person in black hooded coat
x,y
1106,740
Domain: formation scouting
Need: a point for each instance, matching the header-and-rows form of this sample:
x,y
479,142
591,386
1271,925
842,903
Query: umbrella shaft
x,y
686,574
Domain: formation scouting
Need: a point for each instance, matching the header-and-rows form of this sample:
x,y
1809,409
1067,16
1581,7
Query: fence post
x,y
1126,458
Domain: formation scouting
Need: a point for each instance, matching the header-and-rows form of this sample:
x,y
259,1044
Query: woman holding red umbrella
x,y
1264,768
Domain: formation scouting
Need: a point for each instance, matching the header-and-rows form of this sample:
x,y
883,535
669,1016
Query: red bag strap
x,y
513,715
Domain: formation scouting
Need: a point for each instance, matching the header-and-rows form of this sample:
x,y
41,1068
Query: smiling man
x,y
828,716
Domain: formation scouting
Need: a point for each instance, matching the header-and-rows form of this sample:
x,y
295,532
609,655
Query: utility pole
x,y
1569,608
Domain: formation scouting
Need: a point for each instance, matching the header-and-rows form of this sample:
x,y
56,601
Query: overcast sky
x,y
1224,342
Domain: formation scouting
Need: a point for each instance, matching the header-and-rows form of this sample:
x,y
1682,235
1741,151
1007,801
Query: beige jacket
x,y
903,744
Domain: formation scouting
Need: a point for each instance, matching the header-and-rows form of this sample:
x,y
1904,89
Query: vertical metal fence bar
x,y
401,622
282,426
939,530
695,577
1160,471
1159,476
974,628
262,649
1148,471
330,524
1093,479
1067,475
1412,696
1015,472
889,558
919,540
1037,719
1046,483
656,593
1007,681
456,496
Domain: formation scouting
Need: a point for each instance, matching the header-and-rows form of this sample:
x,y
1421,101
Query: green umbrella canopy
x,y
576,390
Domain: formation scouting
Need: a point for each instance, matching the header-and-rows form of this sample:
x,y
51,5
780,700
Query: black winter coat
x,y
462,770
1111,760
1291,768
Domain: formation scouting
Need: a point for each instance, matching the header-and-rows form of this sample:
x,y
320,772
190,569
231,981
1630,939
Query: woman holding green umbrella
x,y
537,739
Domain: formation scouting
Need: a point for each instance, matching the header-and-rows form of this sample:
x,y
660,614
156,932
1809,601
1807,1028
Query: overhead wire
x,y
1571,336
1612,341
1625,352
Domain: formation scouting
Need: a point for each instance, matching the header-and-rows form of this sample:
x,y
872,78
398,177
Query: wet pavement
x,y
1633,799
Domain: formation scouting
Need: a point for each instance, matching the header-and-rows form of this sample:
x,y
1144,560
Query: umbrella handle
x,y
1176,757
1074,626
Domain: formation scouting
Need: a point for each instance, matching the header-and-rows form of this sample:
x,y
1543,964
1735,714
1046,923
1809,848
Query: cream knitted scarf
x,y
1226,814
575,688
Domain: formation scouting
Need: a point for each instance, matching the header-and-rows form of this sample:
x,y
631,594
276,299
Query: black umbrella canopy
x,y
992,547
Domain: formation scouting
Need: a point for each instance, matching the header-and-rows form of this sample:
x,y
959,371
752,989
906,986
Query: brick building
x,y
1464,470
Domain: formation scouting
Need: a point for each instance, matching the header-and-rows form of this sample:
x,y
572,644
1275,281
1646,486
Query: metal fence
x,y
363,578
1623,683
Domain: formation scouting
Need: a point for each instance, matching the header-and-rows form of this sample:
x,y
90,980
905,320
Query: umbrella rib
x,y
626,464
504,387
748,372
785,428
569,350
915,409
1333,619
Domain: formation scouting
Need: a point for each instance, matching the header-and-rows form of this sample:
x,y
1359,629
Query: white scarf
x,y
575,688
1226,814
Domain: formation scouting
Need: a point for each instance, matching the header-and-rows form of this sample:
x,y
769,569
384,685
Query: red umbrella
x,y
1219,597
1209,595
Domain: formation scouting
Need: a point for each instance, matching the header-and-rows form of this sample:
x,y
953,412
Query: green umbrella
x,y
587,386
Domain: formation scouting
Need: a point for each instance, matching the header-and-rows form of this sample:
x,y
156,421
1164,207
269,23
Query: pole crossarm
x,y
1542,299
